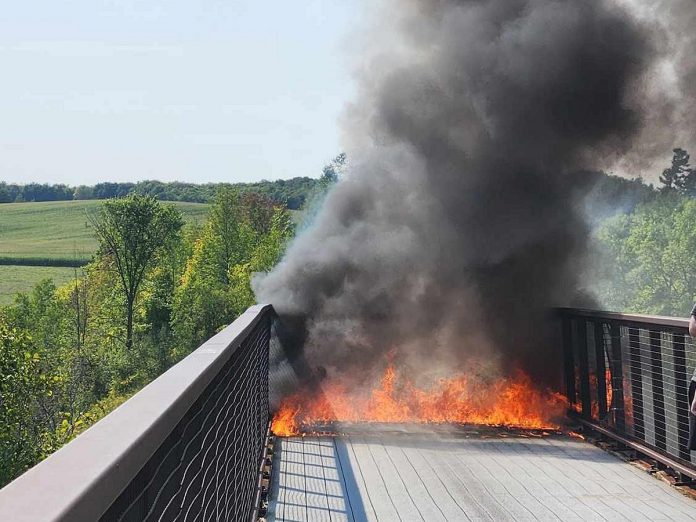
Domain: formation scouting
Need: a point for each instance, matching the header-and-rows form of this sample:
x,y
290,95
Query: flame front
x,y
505,402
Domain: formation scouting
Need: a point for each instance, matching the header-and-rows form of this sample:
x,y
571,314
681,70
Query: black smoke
x,y
459,225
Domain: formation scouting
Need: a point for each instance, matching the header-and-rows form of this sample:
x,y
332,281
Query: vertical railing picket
x,y
636,382
584,368
658,389
618,406
681,393
601,369
568,360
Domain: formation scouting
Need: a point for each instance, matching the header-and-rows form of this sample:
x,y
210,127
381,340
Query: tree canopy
x,y
131,231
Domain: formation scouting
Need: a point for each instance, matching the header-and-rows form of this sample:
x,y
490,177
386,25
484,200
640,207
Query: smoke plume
x,y
459,224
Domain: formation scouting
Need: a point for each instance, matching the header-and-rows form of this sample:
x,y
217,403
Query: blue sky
x,y
212,90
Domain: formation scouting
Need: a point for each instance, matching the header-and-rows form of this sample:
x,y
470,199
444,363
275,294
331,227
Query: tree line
x,y
641,257
293,193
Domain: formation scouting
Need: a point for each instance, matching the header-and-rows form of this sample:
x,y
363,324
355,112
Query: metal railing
x,y
628,375
187,447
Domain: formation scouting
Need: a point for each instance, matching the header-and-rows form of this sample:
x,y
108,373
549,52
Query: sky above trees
x,y
241,90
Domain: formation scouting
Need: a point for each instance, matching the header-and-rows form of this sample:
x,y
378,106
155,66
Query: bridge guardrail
x,y
186,447
629,375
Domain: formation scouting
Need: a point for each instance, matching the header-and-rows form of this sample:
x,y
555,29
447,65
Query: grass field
x,y
14,279
59,229
51,233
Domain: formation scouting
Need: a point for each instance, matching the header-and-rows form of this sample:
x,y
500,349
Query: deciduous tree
x,y
131,231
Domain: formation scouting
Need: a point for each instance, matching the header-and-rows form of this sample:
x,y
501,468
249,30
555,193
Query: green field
x,y
59,229
14,279
52,233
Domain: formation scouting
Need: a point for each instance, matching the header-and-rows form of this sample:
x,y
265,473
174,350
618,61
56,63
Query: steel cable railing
x,y
186,448
630,374
209,469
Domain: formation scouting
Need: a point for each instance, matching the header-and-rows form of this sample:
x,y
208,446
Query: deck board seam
x,y
471,495
552,465
384,483
521,483
425,486
402,481
427,461
563,476
576,470
362,477
495,478
484,487
592,466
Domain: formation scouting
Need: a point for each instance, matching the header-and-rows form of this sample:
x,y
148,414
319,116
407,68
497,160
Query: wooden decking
x,y
446,477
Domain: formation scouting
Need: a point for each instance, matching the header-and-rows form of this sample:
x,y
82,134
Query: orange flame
x,y
608,387
505,402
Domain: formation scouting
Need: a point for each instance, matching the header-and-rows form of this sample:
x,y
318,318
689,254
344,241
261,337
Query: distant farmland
x,y
38,240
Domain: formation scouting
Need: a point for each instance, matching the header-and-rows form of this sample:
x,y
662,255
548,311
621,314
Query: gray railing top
x,y
83,478
637,319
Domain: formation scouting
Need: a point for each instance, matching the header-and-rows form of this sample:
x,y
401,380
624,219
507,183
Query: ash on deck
x,y
444,477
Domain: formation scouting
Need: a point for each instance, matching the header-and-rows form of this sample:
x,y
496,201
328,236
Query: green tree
x,y
267,252
131,231
21,383
648,257
673,176
333,171
244,234
229,235
200,301
5,196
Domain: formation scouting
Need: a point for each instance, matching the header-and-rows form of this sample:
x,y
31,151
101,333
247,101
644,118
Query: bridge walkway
x,y
430,477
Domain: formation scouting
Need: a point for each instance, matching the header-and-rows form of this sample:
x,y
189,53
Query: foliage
x,y
333,171
647,258
243,235
63,361
21,385
611,195
132,231
680,176
291,193
672,177
331,174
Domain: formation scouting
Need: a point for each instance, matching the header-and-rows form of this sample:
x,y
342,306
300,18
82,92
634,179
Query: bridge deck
x,y
448,477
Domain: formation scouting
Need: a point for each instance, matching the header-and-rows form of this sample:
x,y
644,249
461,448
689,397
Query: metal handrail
x,y
654,320
82,479
628,376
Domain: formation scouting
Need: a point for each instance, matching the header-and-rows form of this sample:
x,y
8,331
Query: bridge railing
x,y
186,447
628,375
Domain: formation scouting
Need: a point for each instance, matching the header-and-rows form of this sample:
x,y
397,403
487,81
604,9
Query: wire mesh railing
x,y
188,447
630,374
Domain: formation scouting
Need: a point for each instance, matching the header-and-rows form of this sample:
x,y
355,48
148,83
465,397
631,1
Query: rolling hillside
x,y
53,234
58,230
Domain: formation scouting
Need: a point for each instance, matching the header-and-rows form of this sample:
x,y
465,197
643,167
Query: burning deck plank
x,y
463,398
455,430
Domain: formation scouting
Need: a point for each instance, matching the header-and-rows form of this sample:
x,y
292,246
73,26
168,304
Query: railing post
x,y
601,368
658,389
617,392
636,383
682,392
584,369
569,363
